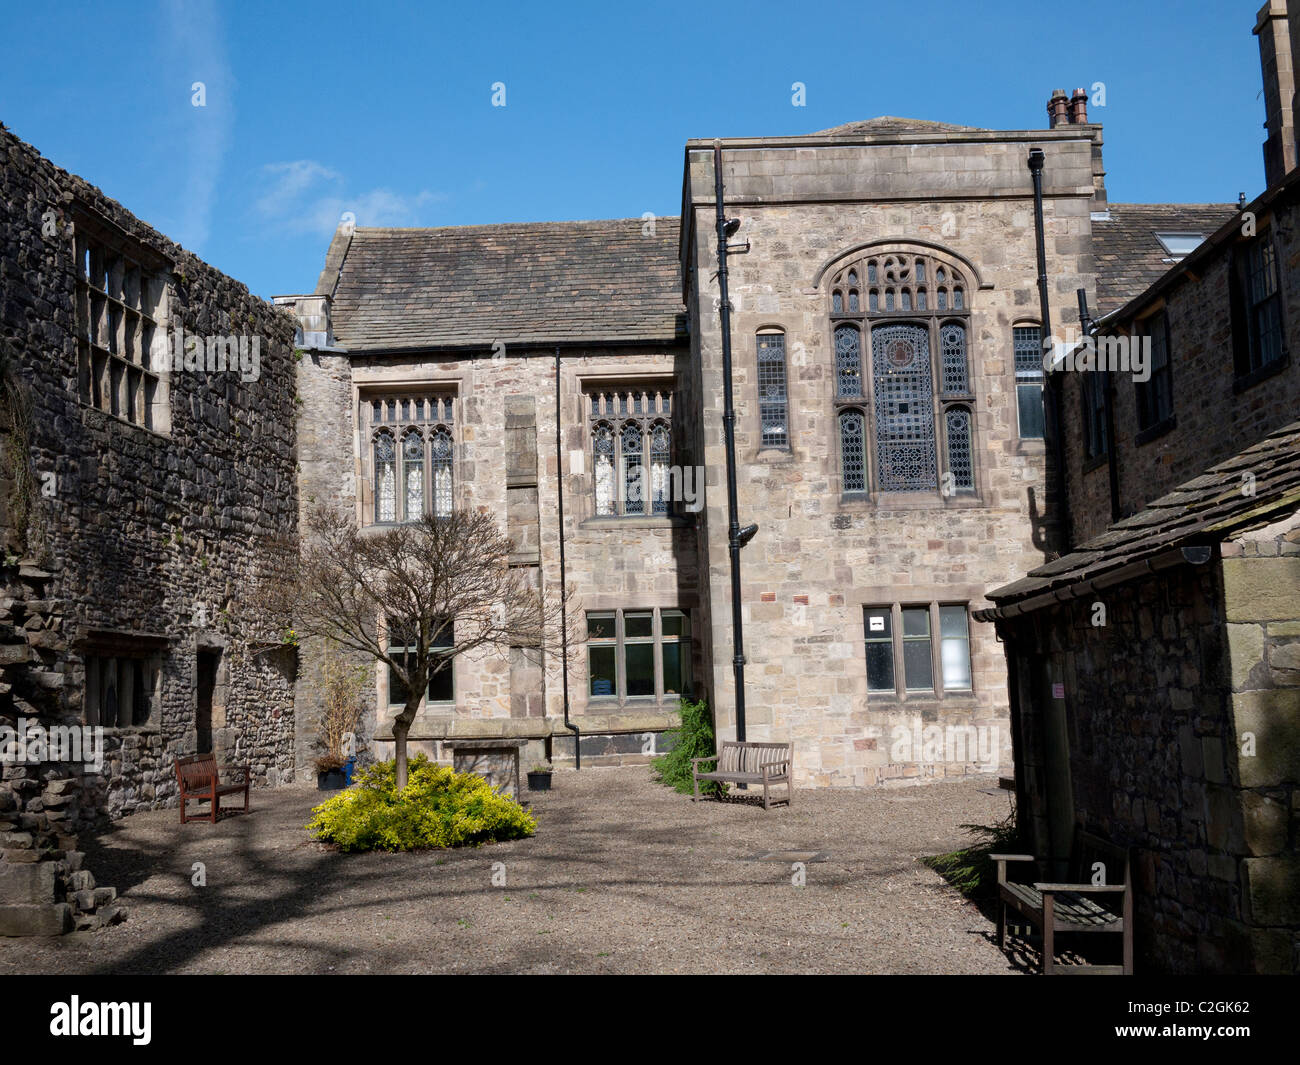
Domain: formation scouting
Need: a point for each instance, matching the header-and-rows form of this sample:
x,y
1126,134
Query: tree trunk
x,y
401,728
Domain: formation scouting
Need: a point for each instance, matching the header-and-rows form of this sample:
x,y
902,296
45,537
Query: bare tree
x,y
438,588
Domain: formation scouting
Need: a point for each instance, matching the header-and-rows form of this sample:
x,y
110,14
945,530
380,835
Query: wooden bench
x,y
1072,907
749,763
199,779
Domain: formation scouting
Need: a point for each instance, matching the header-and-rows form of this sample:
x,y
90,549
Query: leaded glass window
x,y
904,408
848,362
952,345
853,450
960,456
773,409
1028,348
632,452
411,456
919,386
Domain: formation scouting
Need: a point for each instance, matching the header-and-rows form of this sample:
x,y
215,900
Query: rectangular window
x,y
638,654
1028,347
631,435
903,635
1263,303
1155,396
441,684
773,402
122,344
121,690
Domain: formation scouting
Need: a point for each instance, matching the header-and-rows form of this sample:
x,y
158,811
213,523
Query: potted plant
x,y
329,773
539,777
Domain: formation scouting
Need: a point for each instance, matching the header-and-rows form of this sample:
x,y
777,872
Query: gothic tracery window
x,y
632,451
906,421
411,457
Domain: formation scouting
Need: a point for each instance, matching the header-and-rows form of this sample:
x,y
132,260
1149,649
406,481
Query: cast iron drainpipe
x,y
1051,399
564,613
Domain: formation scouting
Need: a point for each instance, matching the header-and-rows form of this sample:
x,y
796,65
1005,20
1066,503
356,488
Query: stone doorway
x,y
208,662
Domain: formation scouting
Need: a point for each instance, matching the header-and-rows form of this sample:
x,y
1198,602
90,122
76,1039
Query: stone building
x,y
1155,667
135,490
887,373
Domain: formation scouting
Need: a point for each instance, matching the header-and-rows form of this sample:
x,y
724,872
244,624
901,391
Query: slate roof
x,y
894,124
1202,510
1129,258
534,282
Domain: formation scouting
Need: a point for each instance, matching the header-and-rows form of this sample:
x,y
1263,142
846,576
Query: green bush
x,y
693,740
437,808
970,870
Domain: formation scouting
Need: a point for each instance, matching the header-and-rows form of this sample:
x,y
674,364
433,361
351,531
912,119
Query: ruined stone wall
x,y
150,537
820,555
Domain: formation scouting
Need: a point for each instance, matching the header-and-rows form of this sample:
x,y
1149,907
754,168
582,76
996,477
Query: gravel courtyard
x,y
624,876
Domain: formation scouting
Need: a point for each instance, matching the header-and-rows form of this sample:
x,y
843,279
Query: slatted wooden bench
x,y
1080,906
749,763
199,779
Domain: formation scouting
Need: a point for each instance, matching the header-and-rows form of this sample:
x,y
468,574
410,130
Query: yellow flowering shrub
x,y
438,808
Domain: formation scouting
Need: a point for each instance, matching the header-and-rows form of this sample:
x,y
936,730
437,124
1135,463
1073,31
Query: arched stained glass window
x,y
960,456
952,347
848,361
853,451
412,474
900,357
603,446
440,448
385,476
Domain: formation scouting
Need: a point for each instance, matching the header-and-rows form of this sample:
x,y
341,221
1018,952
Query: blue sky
x,y
385,109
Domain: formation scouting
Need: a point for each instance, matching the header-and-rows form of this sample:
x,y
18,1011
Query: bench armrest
x,y
1080,888
772,765
710,758
1012,857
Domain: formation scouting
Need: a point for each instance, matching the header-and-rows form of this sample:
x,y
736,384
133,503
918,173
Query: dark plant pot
x,y
539,781
331,780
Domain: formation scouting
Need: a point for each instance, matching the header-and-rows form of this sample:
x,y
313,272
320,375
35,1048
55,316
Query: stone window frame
x,y
865,293
1250,366
402,414
644,408
427,703
618,641
122,300
101,652
1025,377
1153,399
772,406
897,638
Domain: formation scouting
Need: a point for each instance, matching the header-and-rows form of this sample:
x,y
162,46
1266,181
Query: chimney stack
x,y
1058,109
1279,90
1079,107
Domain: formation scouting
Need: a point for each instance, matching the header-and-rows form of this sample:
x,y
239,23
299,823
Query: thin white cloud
x,y
304,196
195,51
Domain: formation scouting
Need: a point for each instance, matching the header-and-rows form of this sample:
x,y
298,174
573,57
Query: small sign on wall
x,y
1058,691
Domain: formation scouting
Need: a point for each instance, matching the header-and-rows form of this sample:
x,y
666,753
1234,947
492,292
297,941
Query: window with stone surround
x,y
1027,350
900,326
638,654
121,318
909,645
1092,393
410,455
122,689
1256,305
631,433
773,398
442,687
1155,396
